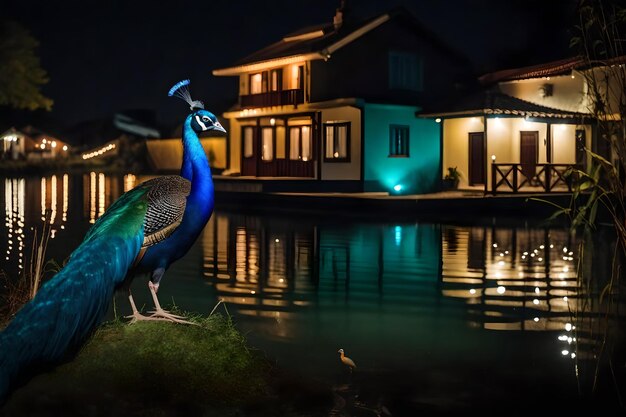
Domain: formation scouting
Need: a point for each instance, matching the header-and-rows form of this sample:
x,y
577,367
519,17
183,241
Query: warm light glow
x,y
42,146
54,144
536,319
472,291
568,326
272,121
535,301
493,158
44,140
65,147
501,289
564,352
277,240
438,120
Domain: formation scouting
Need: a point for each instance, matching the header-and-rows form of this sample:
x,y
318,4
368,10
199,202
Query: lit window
x,y
267,143
248,137
300,143
405,71
256,84
398,140
336,138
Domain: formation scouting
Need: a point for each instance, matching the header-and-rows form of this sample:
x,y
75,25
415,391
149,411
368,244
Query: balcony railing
x,y
514,178
273,98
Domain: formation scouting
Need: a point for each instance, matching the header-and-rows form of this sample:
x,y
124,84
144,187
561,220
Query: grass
x,y
151,369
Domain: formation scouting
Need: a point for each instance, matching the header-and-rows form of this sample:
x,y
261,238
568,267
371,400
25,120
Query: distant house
x,y
523,132
337,103
31,143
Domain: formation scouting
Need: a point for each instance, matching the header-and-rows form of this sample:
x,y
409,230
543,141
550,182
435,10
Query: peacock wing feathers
x,y
167,200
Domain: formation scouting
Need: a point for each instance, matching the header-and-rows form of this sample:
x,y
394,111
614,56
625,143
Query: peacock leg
x,y
158,312
137,316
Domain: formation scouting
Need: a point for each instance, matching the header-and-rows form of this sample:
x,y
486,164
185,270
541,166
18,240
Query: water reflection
x,y
426,299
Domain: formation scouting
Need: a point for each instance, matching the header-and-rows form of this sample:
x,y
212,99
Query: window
x,y
405,71
266,81
248,138
300,143
267,137
336,138
398,140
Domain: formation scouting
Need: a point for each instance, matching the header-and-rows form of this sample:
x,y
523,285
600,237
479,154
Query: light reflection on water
x,y
418,298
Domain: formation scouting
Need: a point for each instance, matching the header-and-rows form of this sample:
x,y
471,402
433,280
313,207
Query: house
x,y
523,132
33,144
337,103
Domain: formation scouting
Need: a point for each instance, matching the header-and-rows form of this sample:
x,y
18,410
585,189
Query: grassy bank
x,y
151,369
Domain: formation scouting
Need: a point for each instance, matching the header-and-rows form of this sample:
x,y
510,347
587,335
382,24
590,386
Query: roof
x,y
494,102
548,69
319,42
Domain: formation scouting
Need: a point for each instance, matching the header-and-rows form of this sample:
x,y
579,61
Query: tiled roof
x,y
494,102
548,69
320,41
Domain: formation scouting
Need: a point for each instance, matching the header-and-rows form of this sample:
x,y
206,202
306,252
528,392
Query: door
x,y
249,150
529,148
477,158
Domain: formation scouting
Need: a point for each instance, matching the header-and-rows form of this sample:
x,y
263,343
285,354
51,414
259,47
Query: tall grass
x,y
18,291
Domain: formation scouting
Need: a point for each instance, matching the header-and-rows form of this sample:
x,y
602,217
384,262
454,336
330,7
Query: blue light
x,y
397,187
398,231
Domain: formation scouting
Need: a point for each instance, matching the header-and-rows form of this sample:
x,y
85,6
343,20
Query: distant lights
x,y
42,146
472,291
501,289
568,326
65,147
536,319
99,151
564,352
54,144
272,121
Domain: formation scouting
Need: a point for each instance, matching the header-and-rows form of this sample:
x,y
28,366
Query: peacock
x,y
144,231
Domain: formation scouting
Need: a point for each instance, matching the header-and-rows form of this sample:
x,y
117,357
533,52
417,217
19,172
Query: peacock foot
x,y
160,314
137,316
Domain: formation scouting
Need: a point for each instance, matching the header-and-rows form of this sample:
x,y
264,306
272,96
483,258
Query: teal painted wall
x,y
417,174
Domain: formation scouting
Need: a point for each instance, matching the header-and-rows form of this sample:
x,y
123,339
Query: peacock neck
x,y
196,168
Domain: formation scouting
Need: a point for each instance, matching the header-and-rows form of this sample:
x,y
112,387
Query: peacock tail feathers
x,y
54,325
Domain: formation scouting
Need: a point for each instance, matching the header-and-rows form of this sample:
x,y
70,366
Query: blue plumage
x,y
144,231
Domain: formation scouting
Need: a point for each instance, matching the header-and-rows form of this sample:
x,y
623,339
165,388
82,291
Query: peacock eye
x,y
205,118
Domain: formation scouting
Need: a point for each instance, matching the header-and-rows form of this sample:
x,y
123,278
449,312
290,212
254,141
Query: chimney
x,y
339,15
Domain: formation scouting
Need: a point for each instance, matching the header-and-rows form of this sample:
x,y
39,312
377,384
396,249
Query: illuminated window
x,y
398,140
267,137
256,83
405,71
300,143
248,140
336,139
266,81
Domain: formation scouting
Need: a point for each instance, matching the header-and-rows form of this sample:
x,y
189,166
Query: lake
x,y
438,317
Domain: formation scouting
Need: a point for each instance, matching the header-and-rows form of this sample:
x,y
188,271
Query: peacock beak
x,y
217,126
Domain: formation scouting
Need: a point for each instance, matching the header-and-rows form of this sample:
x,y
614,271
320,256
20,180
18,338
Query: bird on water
x,y
346,360
144,231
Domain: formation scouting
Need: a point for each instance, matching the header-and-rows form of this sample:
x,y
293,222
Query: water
x,y
438,317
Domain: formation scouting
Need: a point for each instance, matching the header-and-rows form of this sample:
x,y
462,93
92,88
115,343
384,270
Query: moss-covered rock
x,y
151,369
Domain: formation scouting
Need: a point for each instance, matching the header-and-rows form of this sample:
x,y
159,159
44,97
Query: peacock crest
x,y
181,90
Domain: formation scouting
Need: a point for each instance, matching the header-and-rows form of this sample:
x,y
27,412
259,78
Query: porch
x,y
538,178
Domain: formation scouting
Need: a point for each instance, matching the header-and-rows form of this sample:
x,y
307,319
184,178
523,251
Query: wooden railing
x,y
273,98
514,178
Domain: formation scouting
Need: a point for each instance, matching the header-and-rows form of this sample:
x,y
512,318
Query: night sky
x,y
107,56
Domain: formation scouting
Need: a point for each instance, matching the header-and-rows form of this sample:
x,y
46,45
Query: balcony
x,y
545,178
273,98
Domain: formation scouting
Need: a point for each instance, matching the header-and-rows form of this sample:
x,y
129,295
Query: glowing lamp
x,y
397,187
65,147
438,120
493,159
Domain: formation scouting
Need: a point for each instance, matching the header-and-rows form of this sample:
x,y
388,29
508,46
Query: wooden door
x,y
477,158
249,150
529,152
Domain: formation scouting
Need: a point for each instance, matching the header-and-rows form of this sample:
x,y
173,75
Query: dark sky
x,y
104,56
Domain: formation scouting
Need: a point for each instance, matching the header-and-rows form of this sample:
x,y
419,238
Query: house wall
x,y
418,173
567,93
343,170
456,145
361,68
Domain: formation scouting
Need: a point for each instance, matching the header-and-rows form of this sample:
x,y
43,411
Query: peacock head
x,y
203,120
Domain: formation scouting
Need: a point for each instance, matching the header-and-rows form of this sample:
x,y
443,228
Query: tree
x,y
21,75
